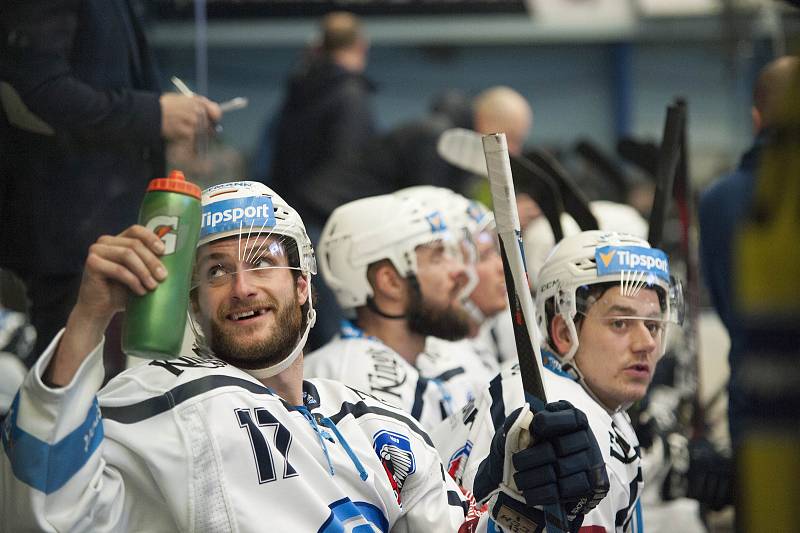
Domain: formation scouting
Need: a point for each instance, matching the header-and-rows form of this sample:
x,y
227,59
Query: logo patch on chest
x,y
394,451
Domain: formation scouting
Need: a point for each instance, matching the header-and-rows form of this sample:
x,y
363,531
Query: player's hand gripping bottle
x,y
154,323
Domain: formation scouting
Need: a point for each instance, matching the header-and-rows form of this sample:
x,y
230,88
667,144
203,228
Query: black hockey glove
x,y
710,475
561,464
698,471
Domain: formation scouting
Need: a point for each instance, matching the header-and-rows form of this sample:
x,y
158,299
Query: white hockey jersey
x,y
433,390
197,445
463,442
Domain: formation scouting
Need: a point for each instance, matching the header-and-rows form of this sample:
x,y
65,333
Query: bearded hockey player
x,y
235,440
397,270
490,336
603,301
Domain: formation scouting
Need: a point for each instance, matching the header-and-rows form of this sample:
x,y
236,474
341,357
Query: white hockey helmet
x,y
459,211
247,209
467,220
601,257
362,232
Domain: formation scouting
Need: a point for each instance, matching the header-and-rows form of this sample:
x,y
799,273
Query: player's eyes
x,y
263,262
653,327
619,324
216,272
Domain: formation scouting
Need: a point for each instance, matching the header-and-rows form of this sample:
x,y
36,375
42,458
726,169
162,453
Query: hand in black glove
x,y
561,463
710,475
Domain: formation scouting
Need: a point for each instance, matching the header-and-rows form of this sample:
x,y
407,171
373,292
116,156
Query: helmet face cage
x,y
594,258
363,232
267,228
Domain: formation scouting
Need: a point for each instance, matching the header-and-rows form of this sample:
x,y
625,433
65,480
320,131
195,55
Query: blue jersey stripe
x,y
47,467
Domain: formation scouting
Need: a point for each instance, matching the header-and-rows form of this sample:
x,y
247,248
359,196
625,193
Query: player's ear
x,y
559,335
386,281
758,119
302,287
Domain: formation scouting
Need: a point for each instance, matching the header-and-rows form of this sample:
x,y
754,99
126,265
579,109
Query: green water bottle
x,y
154,323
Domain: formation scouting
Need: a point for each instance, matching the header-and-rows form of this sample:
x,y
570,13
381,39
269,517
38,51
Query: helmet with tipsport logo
x,y
245,210
248,208
365,231
579,270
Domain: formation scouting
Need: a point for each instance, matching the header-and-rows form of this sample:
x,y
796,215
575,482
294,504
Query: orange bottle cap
x,y
175,182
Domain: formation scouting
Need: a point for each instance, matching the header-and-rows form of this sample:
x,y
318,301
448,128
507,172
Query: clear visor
x,y
643,299
470,257
487,244
261,257
445,248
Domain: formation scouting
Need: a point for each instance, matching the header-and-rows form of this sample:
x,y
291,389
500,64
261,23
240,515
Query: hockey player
x,y
398,272
603,303
236,441
490,334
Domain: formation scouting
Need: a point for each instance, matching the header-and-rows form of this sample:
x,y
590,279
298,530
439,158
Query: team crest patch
x,y
394,451
457,462
474,212
436,221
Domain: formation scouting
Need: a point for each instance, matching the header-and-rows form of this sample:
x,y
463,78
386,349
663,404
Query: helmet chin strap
x,y
202,349
374,308
474,312
268,372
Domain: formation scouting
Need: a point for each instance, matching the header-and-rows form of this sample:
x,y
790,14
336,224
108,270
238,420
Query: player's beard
x,y
450,323
265,352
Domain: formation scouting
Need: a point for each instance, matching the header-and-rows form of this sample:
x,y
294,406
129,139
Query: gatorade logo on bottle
x,y
166,227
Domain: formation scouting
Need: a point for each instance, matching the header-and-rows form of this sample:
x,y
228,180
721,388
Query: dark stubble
x,y
263,353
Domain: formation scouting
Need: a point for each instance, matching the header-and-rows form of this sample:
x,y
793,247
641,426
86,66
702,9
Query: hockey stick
x,y
575,201
668,157
463,148
640,153
685,201
606,167
526,336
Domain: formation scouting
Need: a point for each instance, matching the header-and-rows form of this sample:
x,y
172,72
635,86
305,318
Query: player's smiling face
x,y
249,309
490,293
617,356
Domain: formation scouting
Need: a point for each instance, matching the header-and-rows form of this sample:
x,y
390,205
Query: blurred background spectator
x,y
85,132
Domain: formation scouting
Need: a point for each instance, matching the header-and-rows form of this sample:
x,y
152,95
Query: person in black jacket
x,y
326,115
84,130
325,120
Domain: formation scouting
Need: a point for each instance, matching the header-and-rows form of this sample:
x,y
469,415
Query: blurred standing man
x,y
326,117
85,130
722,208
